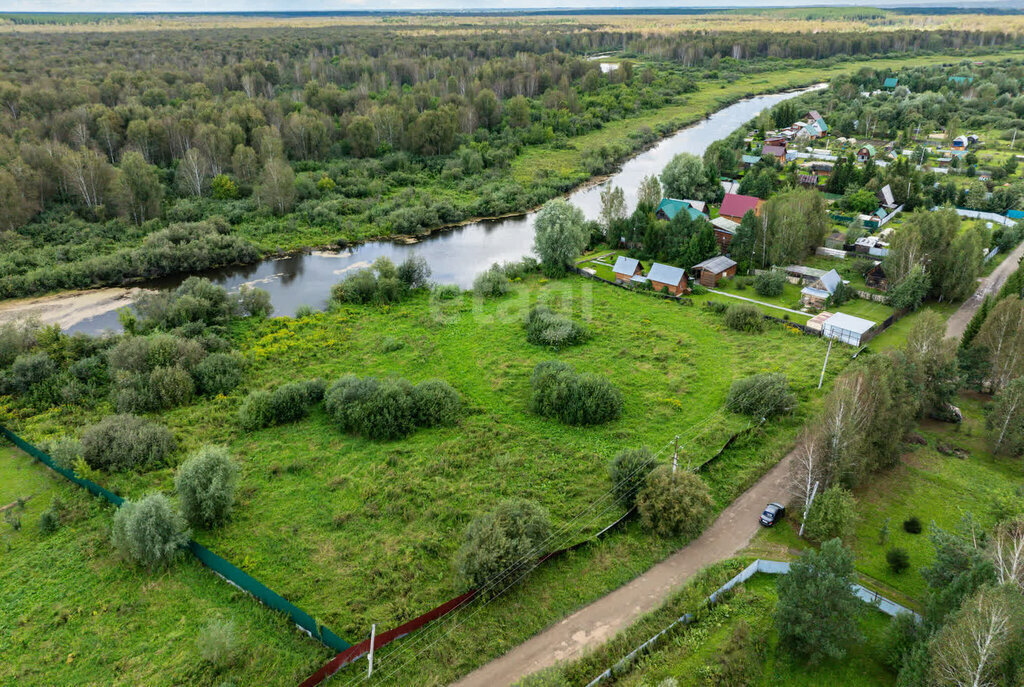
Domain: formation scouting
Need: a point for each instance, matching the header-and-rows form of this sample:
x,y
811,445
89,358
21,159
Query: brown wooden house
x,y
714,269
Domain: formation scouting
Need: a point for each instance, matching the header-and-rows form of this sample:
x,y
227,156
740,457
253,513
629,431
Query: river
x,y
457,255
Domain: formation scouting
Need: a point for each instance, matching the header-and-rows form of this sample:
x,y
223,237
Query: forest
x,y
117,147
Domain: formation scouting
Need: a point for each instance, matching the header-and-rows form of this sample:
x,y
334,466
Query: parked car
x,y
773,512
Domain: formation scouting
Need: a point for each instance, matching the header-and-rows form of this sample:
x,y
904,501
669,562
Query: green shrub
x,y
217,643
125,442
492,283
912,525
744,317
770,283
254,302
390,344
832,515
414,272
436,403
218,373
64,450
763,395
716,307
382,283
898,560
575,399
446,292
287,403
17,338
901,635
545,328
170,387
29,370
628,473
674,503
49,520
504,541
205,484
740,664
149,532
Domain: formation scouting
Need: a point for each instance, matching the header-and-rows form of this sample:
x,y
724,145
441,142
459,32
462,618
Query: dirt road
x,y
601,620
991,284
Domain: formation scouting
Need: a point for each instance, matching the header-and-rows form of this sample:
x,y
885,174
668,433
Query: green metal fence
x,y
229,572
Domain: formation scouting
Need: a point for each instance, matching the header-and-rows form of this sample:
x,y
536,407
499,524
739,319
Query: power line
x,y
525,560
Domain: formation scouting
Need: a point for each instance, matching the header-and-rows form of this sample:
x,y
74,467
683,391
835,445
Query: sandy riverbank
x,y
68,308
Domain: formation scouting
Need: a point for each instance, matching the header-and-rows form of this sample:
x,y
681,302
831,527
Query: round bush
x,y
123,442
763,395
218,373
345,397
49,521
575,399
674,503
205,483
898,560
289,402
170,387
436,403
744,317
255,411
388,414
512,536
545,328
149,532
218,643
65,451
29,370
912,525
628,473
492,283
770,283
832,514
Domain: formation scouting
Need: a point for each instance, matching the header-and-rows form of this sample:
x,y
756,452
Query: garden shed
x,y
663,277
713,269
626,268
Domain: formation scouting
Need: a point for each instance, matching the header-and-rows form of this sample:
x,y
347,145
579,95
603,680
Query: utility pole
x,y
807,507
822,379
675,454
1013,139
373,636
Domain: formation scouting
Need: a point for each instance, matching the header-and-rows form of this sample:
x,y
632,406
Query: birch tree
x,y
1007,551
1006,421
1003,335
842,431
193,173
967,649
87,175
806,469
649,192
613,206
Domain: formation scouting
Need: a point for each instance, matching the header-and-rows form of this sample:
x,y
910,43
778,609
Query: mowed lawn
x,y
359,532
72,613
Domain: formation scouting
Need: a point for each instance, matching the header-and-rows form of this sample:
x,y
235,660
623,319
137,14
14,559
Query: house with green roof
x,y
890,83
668,208
866,153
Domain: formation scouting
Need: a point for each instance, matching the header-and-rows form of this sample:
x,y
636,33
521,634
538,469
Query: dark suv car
x,y
773,512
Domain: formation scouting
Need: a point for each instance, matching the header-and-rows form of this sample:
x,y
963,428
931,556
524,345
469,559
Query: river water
x,y
457,255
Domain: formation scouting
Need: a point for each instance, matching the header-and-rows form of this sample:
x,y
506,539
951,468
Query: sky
x,y
329,5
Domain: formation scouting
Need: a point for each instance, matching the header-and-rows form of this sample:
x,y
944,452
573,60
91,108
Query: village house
x,y
668,208
627,268
747,161
666,277
866,153
734,206
817,292
875,278
960,143
714,269
778,152
807,180
890,83
800,274
725,230
822,169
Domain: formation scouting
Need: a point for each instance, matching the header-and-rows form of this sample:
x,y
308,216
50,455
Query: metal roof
x,y
725,224
666,274
715,265
849,323
624,265
831,280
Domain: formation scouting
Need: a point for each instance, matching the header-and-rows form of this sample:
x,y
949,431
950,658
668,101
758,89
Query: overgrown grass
x,y
358,532
72,613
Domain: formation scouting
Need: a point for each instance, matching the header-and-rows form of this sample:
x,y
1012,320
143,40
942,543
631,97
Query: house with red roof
x,y
734,206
